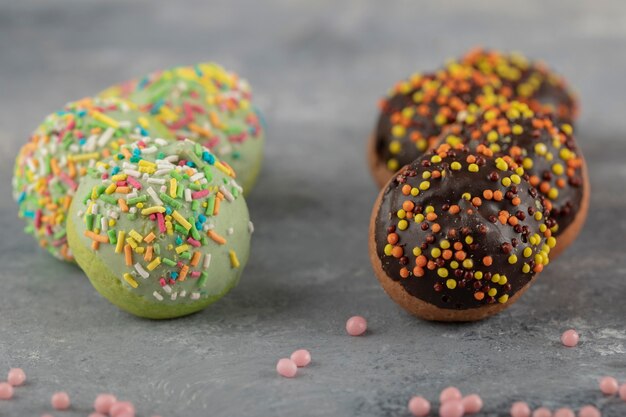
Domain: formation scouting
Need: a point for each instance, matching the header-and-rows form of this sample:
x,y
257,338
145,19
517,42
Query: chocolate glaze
x,y
490,237
465,88
521,146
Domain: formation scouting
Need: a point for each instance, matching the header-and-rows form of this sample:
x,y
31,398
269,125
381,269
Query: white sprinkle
x,y
154,196
203,181
113,214
144,274
149,150
183,294
132,210
106,136
125,123
237,186
159,181
157,296
171,158
80,213
161,172
160,141
104,224
250,227
101,169
230,231
132,173
227,194
188,195
207,261
196,177
174,295
128,165
94,209
195,296
167,289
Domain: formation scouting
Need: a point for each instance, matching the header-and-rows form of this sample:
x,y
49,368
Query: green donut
x,y
59,152
162,229
206,104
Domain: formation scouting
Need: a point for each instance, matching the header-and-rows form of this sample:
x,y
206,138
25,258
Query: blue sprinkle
x,y
208,157
174,275
157,106
168,210
81,113
22,197
190,164
135,158
202,218
29,214
115,170
144,132
179,241
82,141
198,225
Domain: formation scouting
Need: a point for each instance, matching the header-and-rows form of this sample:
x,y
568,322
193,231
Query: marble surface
x,y
318,68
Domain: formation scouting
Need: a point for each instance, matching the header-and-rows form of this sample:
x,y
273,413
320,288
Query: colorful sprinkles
x,y
459,229
543,146
48,168
169,217
206,104
529,81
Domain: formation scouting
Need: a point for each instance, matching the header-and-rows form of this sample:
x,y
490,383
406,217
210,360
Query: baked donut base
x,y
421,308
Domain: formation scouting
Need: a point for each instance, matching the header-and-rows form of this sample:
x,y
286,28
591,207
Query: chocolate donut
x,y
544,147
529,81
458,236
416,110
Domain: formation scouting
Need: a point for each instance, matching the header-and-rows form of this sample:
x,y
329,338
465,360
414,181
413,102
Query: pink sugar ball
x,y
589,411
60,401
6,391
16,377
450,394
570,338
452,408
564,412
356,326
609,385
103,403
472,403
301,357
542,412
419,406
122,409
622,392
520,409
287,368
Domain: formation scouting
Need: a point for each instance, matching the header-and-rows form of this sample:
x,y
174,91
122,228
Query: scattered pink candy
x,y
609,385
419,406
60,401
301,357
520,409
570,338
356,326
589,411
103,403
622,392
450,394
472,403
564,412
542,412
122,409
6,391
287,368
97,415
16,377
452,408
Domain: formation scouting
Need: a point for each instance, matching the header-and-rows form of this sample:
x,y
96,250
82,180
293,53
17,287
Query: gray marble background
x,y
318,69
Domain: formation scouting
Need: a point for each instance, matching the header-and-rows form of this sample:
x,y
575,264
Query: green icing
x,y
107,269
60,151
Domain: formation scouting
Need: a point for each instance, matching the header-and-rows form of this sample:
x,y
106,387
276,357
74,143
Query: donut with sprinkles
x,y
458,235
161,228
417,109
545,147
206,104
532,82
49,166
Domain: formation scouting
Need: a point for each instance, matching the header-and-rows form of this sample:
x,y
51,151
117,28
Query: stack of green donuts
x,y
143,187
